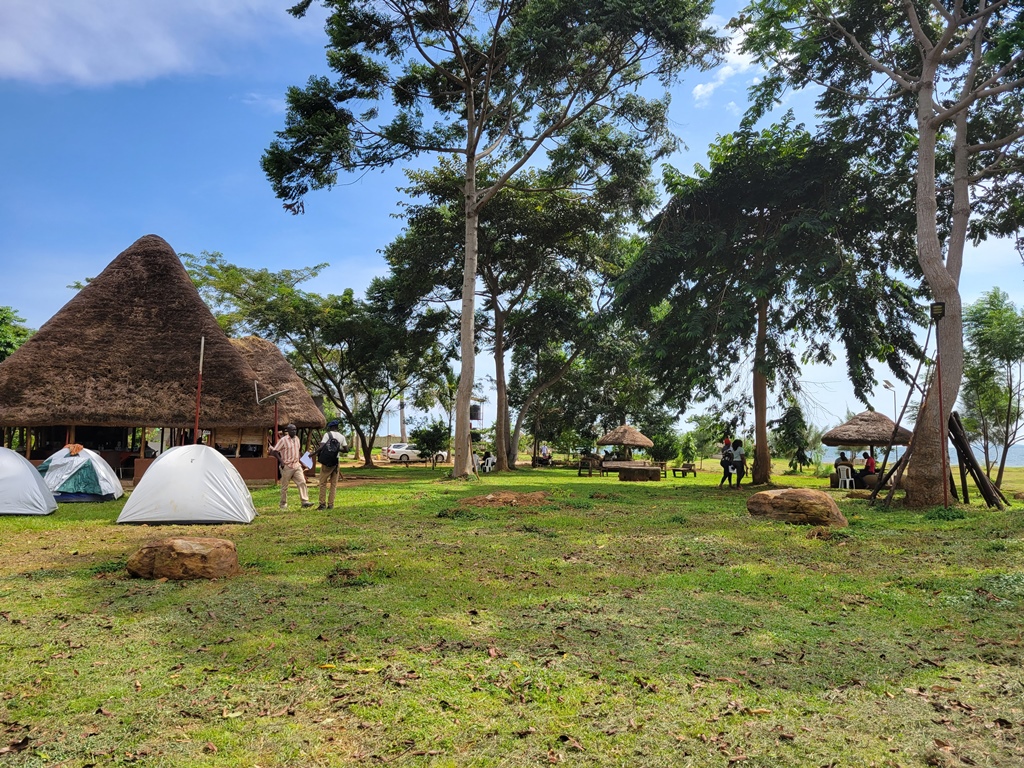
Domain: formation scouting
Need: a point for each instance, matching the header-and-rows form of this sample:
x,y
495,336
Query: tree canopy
x,y
783,239
361,355
543,265
934,92
993,392
501,83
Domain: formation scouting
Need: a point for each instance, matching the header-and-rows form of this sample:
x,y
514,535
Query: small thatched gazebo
x,y
869,428
626,436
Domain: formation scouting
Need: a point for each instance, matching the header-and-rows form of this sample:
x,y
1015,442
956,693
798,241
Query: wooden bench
x,y
683,469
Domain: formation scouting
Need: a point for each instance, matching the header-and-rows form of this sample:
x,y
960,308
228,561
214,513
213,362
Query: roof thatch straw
x,y
275,374
125,352
868,428
627,436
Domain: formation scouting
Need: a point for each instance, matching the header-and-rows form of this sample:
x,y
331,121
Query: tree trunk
x,y
401,418
367,450
762,469
501,423
1008,420
926,478
462,465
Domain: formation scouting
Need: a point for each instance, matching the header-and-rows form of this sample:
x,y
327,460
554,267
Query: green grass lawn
x,y
611,624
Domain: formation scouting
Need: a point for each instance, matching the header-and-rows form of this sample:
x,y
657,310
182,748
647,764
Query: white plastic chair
x,y
489,463
845,476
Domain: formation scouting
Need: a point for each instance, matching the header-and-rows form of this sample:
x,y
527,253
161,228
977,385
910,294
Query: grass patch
x,y
356,575
653,624
945,514
107,566
458,513
328,549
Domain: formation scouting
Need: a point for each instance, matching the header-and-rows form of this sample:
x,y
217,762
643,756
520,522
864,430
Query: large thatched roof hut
x,y
124,354
275,374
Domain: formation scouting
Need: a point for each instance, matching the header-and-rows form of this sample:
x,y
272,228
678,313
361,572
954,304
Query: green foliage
x,y
789,436
666,446
431,437
12,333
543,261
538,76
708,430
688,448
360,355
779,214
992,395
950,513
500,83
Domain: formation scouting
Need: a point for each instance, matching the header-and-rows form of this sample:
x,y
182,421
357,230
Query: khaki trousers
x,y
328,476
287,474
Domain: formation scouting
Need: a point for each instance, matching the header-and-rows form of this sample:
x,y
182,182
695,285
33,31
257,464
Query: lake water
x,y
1014,458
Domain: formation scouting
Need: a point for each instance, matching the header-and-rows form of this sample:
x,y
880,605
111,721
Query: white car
x,y
406,452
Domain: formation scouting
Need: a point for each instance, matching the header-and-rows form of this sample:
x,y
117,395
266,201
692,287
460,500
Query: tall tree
x,y
501,82
779,240
541,262
12,333
994,381
935,88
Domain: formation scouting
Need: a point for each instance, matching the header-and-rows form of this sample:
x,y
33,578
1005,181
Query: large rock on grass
x,y
800,506
179,558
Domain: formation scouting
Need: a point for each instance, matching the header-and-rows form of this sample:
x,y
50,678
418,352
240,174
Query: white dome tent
x,y
22,490
190,484
77,474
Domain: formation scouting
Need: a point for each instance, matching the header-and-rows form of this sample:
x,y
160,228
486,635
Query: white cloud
x,y
264,103
98,42
735,63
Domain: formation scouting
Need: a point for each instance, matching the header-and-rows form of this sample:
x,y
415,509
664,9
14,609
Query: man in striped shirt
x,y
287,451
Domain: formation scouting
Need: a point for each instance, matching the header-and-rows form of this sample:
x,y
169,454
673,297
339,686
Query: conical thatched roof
x,y
125,352
275,373
627,436
867,428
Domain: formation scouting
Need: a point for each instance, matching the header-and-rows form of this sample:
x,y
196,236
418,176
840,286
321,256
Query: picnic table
x,y
683,469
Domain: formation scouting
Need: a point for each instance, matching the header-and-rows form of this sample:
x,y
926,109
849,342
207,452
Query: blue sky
x,y
124,118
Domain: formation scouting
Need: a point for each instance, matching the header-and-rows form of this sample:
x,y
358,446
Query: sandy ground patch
x,y
507,499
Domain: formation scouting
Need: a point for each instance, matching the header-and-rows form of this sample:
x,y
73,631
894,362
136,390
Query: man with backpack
x,y
331,445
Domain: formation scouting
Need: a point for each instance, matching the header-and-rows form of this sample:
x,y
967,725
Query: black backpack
x,y
726,458
327,454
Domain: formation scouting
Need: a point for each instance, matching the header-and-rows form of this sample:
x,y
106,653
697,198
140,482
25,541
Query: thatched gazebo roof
x,y
627,436
275,374
869,428
125,351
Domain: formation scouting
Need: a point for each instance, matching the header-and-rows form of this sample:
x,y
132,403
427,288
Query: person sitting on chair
x,y
869,469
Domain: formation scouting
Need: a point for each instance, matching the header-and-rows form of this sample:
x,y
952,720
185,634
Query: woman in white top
x,y
739,460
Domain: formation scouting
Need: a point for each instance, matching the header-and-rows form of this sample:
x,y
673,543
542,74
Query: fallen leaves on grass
x,y
16,746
